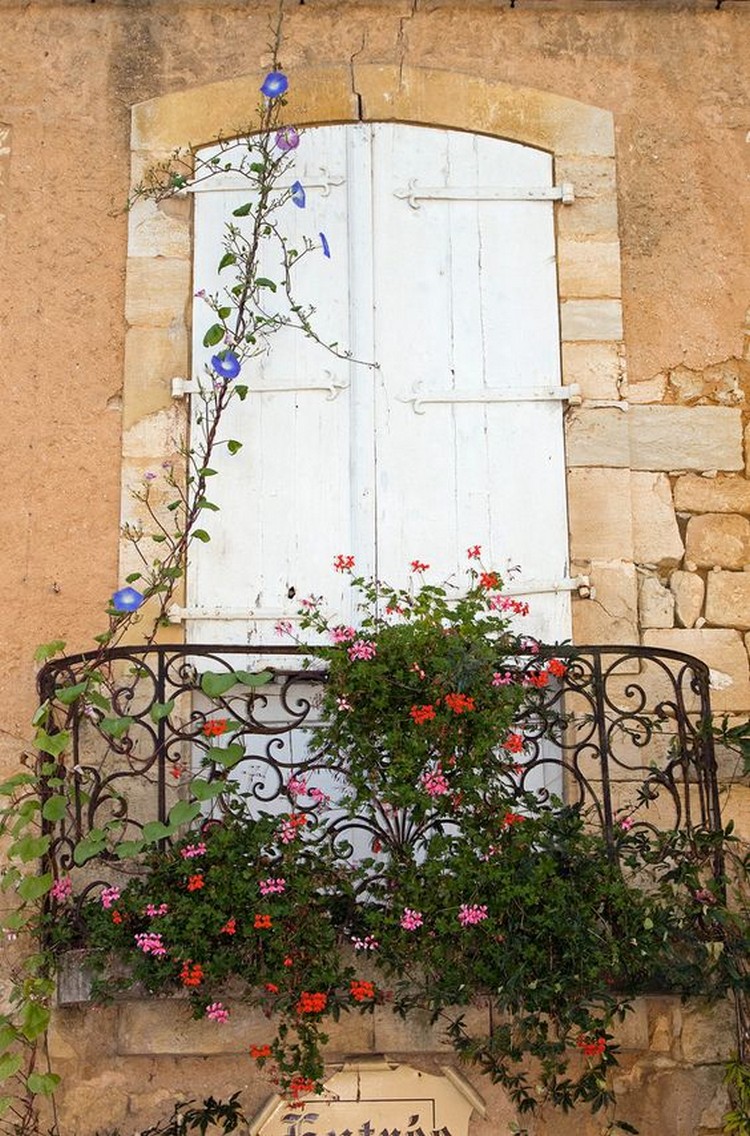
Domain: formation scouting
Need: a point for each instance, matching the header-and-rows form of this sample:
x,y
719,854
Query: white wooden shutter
x,y
289,486
442,270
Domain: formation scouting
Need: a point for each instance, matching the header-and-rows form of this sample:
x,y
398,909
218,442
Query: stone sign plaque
x,y
377,1098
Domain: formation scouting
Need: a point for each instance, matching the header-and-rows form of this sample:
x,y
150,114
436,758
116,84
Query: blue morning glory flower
x,y
127,599
287,138
298,195
274,85
326,247
226,365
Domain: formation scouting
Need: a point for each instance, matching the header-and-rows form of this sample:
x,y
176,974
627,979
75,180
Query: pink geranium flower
x,y
411,919
471,913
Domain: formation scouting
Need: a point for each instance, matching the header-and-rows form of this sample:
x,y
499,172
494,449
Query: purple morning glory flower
x,y
226,365
298,195
324,243
127,599
287,138
274,85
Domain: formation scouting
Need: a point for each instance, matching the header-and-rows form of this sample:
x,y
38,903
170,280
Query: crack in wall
x,y
352,64
401,39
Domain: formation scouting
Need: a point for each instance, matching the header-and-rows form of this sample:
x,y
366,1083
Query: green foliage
x,y
737,1080
491,899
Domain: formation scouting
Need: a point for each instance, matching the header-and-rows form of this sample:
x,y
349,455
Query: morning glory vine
x,y
242,324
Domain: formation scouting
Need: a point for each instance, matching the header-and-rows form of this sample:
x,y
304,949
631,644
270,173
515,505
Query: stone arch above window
x,y
581,141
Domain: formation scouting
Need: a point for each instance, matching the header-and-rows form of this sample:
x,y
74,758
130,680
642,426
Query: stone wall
x,y
126,1064
668,458
645,107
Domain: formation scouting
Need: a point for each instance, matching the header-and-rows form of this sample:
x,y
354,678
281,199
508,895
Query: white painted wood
x,y
290,482
456,300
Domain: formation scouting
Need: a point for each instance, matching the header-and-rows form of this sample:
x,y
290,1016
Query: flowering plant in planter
x,y
433,883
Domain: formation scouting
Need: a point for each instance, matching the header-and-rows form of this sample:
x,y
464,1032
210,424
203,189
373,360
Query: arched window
x,y
443,273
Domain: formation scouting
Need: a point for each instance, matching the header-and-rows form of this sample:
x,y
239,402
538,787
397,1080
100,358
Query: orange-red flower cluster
x,y
258,1051
215,727
311,1003
300,1087
116,917
196,882
591,1047
512,818
230,927
489,580
513,743
460,703
422,714
556,668
361,991
262,922
191,973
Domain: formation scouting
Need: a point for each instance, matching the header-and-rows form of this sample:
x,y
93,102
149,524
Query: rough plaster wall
x,y
69,72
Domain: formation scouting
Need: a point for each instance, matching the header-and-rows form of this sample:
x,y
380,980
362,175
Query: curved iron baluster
x,y
629,730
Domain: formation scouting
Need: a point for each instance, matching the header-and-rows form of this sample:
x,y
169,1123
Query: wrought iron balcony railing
x,y
623,735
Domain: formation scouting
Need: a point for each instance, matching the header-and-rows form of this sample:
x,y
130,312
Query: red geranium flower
x,y
257,1051
361,991
215,727
311,1003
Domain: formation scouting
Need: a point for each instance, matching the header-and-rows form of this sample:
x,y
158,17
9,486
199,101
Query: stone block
x,y
166,1026
718,539
591,319
161,1027
612,616
656,537
595,209
394,1034
596,367
186,117
588,269
157,291
155,437
74,978
723,651
686,384
153,357
694,494
708,1031
728,599
682,437
746,440
655,604
453,98
632,1032
591,217
597,438
665,1024
652,390
599,507
659,1097
162,229
689,591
